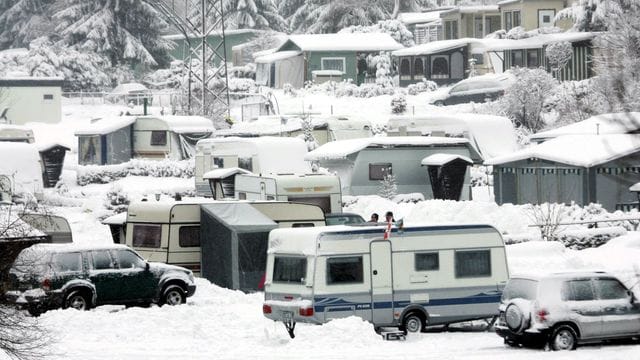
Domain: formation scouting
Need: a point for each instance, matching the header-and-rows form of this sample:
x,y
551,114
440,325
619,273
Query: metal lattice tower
x,y
207,92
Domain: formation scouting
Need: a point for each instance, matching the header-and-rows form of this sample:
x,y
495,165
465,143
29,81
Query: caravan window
x,y
147,235
289,269
218,162
189,236
344,270
159,138
427,262
379,171
474,263
245,163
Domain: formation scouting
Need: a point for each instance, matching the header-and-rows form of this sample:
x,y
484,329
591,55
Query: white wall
x,y
28,103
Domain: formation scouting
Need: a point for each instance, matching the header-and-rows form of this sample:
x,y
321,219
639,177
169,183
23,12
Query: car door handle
x,y
609,309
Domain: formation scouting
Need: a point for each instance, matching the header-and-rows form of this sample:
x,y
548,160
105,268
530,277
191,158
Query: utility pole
x,y
207,91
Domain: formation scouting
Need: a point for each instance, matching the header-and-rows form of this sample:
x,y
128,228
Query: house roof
x,y
473,9
344,42
538,41
615,123
411,18
434,47
577,150
224,173
275,56
343,148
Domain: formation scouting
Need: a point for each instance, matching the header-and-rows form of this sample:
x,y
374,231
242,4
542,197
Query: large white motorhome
x,y
319,189
420,276
260,155
171,231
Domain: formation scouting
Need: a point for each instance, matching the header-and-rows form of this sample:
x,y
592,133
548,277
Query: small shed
x,y
343,52
234,244
446,173
280,68
52,156
28,99
570,168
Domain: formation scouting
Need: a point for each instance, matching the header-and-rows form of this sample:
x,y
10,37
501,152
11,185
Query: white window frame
x,y
344,63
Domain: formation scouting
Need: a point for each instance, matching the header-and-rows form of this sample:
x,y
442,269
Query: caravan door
x,y
381,283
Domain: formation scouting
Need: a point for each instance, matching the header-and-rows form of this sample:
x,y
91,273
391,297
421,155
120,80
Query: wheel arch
x,y
415,309
571,324
80,285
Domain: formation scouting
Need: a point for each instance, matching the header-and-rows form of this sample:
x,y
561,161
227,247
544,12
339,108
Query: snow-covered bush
x,y
347,88
422,86
525,99
574,101
383,69
517,33
558,55
166,78
288,89
96,174
116,200
242,85
589,238
398,104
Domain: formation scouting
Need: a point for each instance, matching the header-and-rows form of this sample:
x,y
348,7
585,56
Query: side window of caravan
x,y
158,137
287,269
379,171
147,236
245,163
427,262
344,270
189,236
476,263
218,162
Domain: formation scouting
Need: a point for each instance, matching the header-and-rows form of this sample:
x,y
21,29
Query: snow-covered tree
x,y
253,14
124,31
395,28
307,133
327,16
558,55
398,104
617,57
523,102
388,187
381,66
586,15
22,21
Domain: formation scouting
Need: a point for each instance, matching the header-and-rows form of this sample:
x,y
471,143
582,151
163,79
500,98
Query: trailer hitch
x,y
290,325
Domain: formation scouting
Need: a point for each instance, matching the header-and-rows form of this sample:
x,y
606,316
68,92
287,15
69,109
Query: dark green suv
x,y
50,276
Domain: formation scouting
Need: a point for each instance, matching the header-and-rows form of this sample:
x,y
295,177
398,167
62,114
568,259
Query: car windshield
x,y
520,288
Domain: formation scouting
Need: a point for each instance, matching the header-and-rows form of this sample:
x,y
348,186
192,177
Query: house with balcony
x,y
470,21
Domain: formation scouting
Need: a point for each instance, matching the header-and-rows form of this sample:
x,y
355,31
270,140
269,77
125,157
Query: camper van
x,y
185,232
260,155
419,276
318,189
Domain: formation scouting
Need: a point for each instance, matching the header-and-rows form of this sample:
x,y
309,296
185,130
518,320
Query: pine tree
x,y
125,31
388,187
326,16
253,14
22,21
586,15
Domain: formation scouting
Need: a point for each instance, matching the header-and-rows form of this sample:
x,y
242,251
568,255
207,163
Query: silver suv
x,y
565,309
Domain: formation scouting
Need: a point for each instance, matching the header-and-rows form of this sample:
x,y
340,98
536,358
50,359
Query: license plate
x,y
287,315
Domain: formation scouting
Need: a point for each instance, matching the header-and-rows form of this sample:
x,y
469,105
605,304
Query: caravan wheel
x,y
413,323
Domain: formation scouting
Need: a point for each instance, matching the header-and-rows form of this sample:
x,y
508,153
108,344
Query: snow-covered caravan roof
x,y
275,56
276,154
158,211
275,124
615,123
434,47
343,148
411,18
184,124
302,241
472,9
21,163
224,173
345,42
15,133
106,125
577,150
483,130
538,41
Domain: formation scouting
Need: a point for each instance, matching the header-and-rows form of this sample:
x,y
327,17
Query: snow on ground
x,y
218,323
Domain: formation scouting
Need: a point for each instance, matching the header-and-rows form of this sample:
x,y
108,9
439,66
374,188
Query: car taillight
x,y
46,284
541,315
306,311
266,309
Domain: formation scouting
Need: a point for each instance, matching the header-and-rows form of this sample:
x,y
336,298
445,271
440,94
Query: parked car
x,y
476,89
50,276
567,309
130,93
343,219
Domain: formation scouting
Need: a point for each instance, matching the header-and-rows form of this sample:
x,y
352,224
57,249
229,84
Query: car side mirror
x,y
632,297
146,267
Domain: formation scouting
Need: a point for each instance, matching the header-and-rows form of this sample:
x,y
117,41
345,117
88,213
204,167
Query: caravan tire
x,y
413,323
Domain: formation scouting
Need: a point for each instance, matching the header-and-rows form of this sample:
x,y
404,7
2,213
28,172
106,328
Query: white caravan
x,y
170,232
260,155
421,276
319,189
